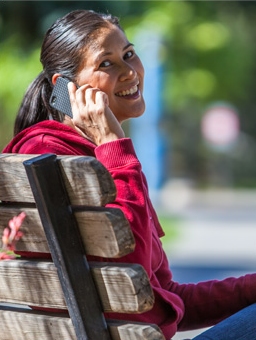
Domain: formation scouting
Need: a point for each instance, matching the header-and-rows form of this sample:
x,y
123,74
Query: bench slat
x,y
96,226
21,324
41,278
134,331
87,181
71,193
105,232
122,288
14,185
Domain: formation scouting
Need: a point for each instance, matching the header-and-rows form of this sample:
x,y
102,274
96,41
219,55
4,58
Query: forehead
x,y
106,38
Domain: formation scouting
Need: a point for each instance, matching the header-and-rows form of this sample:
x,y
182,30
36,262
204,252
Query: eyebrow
x,y
127,46
104,54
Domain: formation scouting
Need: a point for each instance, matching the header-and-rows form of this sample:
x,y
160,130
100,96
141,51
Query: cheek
x,y
139,68
104,83
85,78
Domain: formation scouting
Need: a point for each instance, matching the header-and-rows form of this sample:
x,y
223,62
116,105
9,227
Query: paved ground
x,y
216,235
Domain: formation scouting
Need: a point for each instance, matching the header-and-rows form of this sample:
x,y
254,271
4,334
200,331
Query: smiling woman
x,y
105,89
110,67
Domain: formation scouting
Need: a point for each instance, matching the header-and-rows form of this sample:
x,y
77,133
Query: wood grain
x,y
18,324
122,289
24,325
88,182
105,232
134,331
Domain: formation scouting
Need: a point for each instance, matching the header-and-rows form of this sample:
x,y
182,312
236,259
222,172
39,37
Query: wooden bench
x,y
67,218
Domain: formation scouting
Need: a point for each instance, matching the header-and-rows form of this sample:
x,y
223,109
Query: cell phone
x,y
59,99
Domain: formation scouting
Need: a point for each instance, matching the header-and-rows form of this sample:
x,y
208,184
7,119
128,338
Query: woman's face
x,y
111,65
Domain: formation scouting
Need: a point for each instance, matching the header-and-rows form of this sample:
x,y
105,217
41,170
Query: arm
x,y
207,303
204,303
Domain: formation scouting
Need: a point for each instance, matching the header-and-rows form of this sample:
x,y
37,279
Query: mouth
x,y
132,92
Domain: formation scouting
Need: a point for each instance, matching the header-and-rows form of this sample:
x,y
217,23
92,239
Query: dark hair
x,y
61,52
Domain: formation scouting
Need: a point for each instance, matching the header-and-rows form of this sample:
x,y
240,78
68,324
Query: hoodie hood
x,y
50,136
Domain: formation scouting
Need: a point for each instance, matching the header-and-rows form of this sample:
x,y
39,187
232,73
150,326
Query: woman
x,y
106,89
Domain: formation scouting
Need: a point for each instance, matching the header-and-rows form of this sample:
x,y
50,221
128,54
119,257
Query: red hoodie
x,y
177,306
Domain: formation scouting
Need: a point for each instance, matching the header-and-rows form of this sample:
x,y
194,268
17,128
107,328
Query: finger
x,y
90,95
71,90
81,94
101,98
72,95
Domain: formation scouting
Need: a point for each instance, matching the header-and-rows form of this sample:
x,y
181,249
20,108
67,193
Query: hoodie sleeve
x,y
121,161
195,305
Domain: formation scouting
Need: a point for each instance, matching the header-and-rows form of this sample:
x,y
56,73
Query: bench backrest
x,y
64,200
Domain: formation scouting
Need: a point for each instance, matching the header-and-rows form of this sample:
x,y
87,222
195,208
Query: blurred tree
x,y
208,54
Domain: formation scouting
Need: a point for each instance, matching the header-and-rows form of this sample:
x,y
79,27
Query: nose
x,y
127,72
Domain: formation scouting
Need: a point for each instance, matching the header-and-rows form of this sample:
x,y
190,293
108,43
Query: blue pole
x,y
145,132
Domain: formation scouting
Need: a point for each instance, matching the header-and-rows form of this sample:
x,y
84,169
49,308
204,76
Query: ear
x,y
55,77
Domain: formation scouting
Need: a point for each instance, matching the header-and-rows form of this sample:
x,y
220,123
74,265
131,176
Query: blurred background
x,y
196,140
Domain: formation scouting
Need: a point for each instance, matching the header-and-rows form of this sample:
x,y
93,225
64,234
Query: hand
x,y
92,115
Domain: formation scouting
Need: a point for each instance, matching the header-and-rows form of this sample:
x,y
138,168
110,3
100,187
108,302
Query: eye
x,y
129,54
105,63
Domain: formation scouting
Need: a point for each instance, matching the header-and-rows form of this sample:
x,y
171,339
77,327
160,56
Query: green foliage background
x,y
208,55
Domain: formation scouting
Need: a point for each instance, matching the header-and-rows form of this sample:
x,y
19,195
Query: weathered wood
x,y
87,181
41,278
70,194
67,249
14,185
33,239
134,331
122,288
105,232
18,324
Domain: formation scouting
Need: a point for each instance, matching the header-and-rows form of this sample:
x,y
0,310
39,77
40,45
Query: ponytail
x,y
35,105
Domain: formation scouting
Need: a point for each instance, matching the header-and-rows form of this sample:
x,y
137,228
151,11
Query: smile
x,y
129,92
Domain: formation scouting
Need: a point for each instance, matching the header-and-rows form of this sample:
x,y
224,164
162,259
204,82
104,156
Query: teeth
x,y
132,90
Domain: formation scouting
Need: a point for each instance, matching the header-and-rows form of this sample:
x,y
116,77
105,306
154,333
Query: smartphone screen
x,y
59,99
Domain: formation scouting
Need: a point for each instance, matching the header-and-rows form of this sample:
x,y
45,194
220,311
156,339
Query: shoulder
x,y
50,137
